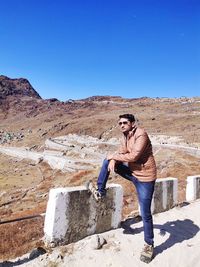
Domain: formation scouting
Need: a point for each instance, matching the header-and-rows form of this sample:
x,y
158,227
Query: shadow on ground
x,y
33,255
179,231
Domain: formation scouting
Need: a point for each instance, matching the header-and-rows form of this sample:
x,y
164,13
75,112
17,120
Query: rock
x,y
33,147
97,242
39,160
36,253
58,256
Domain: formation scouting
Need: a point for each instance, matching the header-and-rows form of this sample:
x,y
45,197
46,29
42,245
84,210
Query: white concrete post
x,y
73,213
165,194
193,188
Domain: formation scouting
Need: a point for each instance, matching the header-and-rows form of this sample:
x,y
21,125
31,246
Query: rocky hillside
x,y
23,112
16,87
15,94
35,126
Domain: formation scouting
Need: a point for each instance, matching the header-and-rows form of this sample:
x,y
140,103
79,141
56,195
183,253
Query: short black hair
x,y
129,117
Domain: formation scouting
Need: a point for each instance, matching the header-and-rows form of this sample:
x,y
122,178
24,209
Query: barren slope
x,y
29,122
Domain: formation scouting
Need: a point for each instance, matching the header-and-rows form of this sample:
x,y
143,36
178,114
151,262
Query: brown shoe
x,y
96,194
147,253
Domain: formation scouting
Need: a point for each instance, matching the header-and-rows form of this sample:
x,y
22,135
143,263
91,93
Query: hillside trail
x,y
80,152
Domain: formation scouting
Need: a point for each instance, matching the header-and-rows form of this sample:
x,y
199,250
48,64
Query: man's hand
x,y
111,166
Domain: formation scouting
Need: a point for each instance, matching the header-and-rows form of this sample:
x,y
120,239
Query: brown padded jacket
x,y
136,149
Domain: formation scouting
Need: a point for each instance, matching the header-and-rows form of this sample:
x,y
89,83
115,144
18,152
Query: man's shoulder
x,y
140,130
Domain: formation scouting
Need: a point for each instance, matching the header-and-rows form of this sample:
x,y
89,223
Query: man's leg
x,y
145,193
103,177
124,171
120,169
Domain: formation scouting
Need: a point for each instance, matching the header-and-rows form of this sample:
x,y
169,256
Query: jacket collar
x,y
131,132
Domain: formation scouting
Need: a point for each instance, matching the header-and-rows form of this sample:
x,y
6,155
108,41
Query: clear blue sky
x,y
80,48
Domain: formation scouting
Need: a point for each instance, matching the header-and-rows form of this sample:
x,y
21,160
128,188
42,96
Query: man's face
x,y
125,125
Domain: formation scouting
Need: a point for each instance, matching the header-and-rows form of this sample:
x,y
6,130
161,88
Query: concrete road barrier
x,y
193,188
165,194
73,213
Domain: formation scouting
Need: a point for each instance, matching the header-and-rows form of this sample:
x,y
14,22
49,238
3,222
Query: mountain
x,y
16,87
22,107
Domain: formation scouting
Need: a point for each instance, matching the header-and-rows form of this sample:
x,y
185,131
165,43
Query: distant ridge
x,y
16,87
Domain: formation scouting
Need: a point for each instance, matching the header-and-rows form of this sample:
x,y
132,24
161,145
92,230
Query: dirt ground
x,y
26,187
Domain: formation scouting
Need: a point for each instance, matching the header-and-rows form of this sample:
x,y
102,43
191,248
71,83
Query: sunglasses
x,y
123,122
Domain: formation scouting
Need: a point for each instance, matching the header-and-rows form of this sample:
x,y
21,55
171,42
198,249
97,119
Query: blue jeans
x,y
144,192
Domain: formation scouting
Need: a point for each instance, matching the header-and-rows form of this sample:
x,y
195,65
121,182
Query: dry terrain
x,y
27,122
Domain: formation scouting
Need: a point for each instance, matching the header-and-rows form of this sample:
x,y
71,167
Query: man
x,y
140,168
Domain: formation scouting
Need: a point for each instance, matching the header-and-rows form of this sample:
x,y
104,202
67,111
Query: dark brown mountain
x,y
16,87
